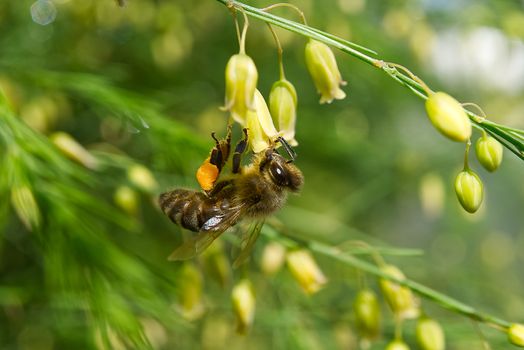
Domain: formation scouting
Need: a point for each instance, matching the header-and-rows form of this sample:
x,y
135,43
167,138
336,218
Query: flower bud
x,y
142,177
470,190
367,314
217,264
430,335
401,300
190,298
261,129
241,82
283,107
25,206
127,199
74,150
397,345
305,270
516,334
322,67
489,152
447,115
273,258
243,299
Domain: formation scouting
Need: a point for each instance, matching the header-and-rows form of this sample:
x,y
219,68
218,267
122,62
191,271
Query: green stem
x,y
509,137
362,265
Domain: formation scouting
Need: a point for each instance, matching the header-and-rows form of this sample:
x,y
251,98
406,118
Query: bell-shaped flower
x,y
470,190
305,270
273,257
191,304
127,199
243,299
74,150
142,178
400,298
261,130
322,67
367,314
447,115
241,83
283,107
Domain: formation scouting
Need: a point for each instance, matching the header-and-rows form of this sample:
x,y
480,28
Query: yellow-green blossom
x,y
241,83
283,107
261,130
243,299
305,270
400,298
323,68
367,314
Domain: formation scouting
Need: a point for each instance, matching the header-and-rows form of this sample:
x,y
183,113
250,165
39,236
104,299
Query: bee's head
x,y
282,172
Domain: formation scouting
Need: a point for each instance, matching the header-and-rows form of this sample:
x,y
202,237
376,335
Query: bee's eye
x,y
278,174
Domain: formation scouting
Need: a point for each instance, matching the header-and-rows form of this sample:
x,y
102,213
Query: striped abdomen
x,y
187,208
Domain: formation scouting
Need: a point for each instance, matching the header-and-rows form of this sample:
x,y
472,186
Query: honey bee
x,y
254,191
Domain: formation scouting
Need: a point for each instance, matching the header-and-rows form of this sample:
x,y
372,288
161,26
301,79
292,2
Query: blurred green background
x,y
142,85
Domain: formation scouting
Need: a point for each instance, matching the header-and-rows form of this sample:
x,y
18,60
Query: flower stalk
x,y
511,138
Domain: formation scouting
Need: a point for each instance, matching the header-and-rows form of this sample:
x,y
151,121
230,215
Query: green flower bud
x,y
74,150
241,82
447,115
367,314
127,199
470,190
243,299
190,298
401,300
304,268
25,206
322,66
430,335
397,345
273,257
217,264
142,177
516,334
283,107
489,152
261,129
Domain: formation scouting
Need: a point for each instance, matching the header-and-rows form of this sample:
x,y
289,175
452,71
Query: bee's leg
x,y
239,149
218,187
216,157
220,153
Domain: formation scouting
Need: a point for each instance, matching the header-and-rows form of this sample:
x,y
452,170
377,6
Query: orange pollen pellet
x,y
206,175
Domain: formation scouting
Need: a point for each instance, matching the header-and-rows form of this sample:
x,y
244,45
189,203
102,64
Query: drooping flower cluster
x,y
248,107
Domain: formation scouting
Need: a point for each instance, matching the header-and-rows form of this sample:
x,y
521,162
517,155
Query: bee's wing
x,y
211,230
248,241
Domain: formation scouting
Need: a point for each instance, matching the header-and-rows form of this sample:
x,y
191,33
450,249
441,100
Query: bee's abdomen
x,y
184,208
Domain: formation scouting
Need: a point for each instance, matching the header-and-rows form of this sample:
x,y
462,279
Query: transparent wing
x,y
248,241
211,230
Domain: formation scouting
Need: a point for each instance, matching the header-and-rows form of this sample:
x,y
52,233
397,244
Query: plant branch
x,y
362,265
511,138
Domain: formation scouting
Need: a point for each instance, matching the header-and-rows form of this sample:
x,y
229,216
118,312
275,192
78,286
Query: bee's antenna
x,y
290,151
